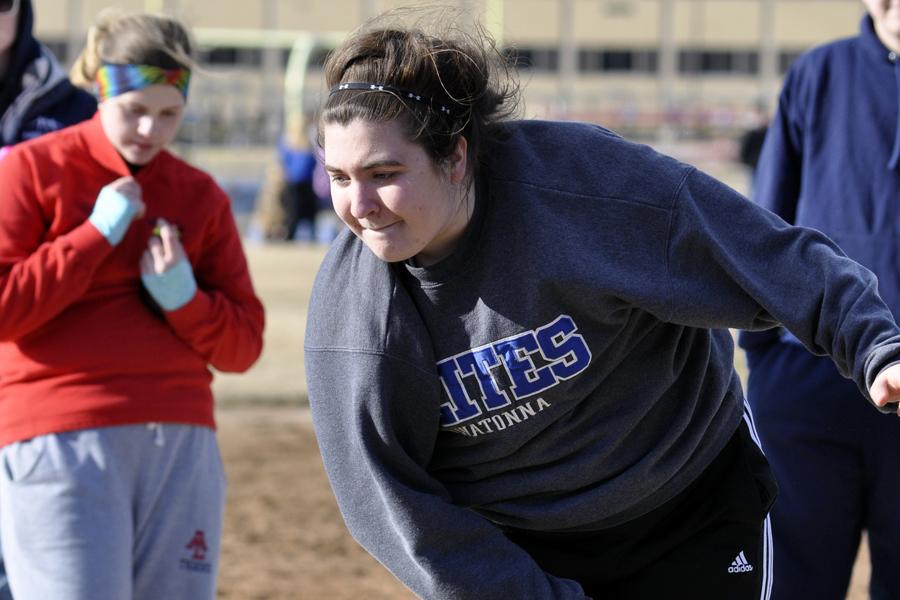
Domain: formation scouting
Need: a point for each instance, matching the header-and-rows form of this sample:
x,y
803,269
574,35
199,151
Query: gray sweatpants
x,y
113,513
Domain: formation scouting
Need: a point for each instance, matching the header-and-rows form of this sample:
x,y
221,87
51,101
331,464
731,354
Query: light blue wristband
x,y
112,214
173,288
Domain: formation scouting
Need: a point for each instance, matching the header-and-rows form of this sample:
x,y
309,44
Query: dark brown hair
x,y
461,71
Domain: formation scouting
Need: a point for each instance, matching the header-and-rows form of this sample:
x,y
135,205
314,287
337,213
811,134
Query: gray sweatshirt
x,y
569,367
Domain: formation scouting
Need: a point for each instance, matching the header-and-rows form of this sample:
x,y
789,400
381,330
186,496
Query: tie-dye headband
x,y
113,80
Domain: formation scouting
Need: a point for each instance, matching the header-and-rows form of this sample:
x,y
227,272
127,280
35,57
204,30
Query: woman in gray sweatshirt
x,y
518,355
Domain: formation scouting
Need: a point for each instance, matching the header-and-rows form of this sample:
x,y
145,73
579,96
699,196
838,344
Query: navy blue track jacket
x,y
831,159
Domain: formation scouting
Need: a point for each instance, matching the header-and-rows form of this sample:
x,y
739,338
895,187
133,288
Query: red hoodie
x,y
80,345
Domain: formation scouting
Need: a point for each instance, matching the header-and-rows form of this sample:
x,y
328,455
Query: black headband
x,y
401,93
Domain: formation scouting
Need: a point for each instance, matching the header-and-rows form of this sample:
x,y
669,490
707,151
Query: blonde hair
x,y
120,37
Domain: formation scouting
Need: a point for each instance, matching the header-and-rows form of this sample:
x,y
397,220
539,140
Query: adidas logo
x,y
740,564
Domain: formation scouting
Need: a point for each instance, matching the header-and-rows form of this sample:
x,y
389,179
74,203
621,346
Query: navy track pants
x,y
836,460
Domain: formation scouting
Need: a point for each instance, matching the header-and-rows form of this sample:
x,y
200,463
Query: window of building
x,y
706,61
318,57
539,59
231,56
617,60
785,58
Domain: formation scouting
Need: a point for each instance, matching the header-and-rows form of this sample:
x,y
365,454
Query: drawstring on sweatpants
x,y
157,428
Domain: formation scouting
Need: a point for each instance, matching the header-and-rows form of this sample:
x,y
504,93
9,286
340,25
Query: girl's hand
x,y
164,249
117,205
131,189
165,270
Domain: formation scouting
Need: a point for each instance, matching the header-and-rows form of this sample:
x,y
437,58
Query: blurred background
x,y
688,76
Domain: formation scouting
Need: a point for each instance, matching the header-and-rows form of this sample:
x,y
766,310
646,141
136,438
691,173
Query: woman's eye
x,y
384,176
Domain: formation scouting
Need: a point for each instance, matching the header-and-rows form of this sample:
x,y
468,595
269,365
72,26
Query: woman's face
x,y
391,194
142,122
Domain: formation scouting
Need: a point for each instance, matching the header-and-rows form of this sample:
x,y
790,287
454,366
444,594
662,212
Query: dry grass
x,y
283,275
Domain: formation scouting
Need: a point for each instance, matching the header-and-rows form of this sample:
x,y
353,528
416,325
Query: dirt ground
x,y
283,537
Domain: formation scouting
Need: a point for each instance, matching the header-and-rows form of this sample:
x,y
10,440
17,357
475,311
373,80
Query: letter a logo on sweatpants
x,y
197,545
197,561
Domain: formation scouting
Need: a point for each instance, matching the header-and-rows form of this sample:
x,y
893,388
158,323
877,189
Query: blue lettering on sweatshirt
x,y
505,372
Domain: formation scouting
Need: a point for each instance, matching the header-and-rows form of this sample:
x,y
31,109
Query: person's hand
x,y
165,270
164,249
117,205
885,389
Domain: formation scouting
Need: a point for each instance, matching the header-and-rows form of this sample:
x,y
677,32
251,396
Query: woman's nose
x,y
363,201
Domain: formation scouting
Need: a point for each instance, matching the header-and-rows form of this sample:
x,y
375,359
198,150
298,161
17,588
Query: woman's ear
x,y
458,161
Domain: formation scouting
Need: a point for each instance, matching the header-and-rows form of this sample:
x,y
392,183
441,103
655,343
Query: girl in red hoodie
x,y
122,280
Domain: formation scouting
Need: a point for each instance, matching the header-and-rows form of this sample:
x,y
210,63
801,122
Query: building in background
x,y
659,70
644,67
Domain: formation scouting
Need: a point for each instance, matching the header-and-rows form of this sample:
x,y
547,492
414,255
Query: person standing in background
x,y
298,199
288,201
123,282
36,97
831,161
